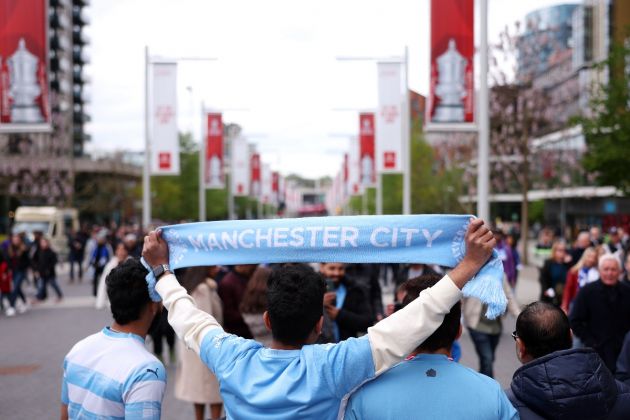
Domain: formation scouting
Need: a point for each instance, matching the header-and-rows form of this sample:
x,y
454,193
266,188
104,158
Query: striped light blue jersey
x,y
110,375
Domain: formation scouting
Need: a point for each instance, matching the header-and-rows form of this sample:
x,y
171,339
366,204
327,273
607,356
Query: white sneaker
x,y
10,312
21,307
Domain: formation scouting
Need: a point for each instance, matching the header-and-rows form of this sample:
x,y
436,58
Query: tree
x,y
606,127
519,111
434,188
176,198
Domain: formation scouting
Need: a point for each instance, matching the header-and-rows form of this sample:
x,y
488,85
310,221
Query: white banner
x,y
164,139
265,180
239,166
354,180
388,118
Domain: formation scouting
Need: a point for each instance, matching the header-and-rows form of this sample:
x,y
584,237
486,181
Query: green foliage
x,y
432,191
536,211
176,198
392,194
607,129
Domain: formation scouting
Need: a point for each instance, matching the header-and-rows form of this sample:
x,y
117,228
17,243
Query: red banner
x,y
255,175
24,92
451,90
214,178
366,151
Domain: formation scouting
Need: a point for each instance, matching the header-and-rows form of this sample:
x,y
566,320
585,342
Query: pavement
x,y
34,344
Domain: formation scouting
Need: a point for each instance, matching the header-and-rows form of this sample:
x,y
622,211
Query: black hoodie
x,y
569,384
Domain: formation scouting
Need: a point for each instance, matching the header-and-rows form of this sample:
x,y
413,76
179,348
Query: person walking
x,y
45,265
101,254
553,274
600,315
120,255
254,304
194,382
76,245
231,289
581,274
484,332
17,258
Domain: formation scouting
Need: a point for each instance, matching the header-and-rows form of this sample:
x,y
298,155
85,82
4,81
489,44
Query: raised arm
x,y
190,323
396,336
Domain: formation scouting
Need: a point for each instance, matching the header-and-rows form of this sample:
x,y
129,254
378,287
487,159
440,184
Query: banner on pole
x,y
239,155
451,86
265,181
353,185
24,88
366,142
164,138
215,175
389,118
255,176
275,187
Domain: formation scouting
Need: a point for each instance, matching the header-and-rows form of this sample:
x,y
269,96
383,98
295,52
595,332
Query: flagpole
x,y
146,173
406,146
379,193
202,165
483,172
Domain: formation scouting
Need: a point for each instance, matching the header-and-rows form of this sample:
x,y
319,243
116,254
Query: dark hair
x,y
127,291
193,277
446,333
295,296
255,296
543,328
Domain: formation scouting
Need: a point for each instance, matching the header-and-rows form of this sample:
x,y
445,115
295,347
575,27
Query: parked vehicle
x,y
55,223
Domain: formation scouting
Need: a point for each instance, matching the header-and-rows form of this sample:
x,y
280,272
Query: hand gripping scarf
x,y
428,239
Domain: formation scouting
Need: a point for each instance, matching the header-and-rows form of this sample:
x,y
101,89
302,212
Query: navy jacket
x,y
600,316
623,362
569,384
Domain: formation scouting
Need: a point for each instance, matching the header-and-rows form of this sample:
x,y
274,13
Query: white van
x,y
55,223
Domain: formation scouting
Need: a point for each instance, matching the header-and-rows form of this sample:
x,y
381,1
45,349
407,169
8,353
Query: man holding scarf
x,y
294,378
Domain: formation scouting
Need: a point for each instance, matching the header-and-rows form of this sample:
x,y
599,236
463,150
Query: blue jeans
x,y
485,346
42,293
18,278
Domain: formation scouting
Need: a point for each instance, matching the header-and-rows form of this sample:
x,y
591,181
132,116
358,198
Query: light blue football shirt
x,y
430,386
111,375
262,383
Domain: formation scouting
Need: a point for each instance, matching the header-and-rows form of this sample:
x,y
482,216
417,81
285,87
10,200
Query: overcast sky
x,y
276,73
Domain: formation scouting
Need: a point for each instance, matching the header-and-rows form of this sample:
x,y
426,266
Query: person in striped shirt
x,y
110,374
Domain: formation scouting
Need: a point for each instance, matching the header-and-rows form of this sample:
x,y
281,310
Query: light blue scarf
x,y
429,239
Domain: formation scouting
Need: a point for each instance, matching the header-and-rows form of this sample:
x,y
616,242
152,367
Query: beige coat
x,y
471,307
193,381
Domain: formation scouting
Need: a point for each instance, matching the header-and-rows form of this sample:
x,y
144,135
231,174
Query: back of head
x,y
447,333
255,296
543,328
127,291
295,297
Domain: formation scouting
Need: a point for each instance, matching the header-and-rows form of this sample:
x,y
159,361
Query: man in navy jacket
x,y
556,381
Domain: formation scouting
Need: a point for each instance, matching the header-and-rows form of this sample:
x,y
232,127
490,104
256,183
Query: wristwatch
x,y
158,270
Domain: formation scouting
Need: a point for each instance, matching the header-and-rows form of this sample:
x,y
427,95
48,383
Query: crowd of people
x,y
28,259
246,334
